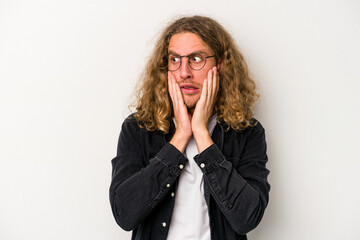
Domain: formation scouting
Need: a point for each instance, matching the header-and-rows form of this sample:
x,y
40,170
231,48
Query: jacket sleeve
x,y
138,185
241,192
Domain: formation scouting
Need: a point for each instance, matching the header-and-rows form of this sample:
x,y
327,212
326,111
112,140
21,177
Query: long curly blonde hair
x,y
236,95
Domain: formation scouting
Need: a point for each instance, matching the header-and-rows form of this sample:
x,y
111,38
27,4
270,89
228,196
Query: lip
x,y
189,88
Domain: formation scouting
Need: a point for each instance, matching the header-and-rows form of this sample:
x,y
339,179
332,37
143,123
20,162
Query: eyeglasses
x,y
196,61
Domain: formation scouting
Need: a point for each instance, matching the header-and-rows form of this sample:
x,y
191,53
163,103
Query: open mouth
x,y
188,87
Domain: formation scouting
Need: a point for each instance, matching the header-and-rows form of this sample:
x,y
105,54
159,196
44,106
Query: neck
x,y
191,111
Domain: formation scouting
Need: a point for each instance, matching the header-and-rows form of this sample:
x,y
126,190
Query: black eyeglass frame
x,y
188,56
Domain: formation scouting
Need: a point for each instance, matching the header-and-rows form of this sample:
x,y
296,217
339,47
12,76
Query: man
x,y
191,162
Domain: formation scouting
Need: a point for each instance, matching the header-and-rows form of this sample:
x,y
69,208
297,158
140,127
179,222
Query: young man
x,y
191,162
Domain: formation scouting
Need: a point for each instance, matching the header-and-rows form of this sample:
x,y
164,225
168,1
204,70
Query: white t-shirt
x,y
190,219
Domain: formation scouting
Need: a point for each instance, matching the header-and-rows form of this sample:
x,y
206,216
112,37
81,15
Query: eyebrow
x,y
196,52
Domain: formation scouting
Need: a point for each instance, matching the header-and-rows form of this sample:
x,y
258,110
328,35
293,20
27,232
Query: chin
x,y
190,104
190,100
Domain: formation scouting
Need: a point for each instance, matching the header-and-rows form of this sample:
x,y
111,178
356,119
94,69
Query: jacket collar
x,y
218,135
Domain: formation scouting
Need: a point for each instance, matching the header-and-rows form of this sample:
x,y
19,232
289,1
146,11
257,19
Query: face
x,y
189,80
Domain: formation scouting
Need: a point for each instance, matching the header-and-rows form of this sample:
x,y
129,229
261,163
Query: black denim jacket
x,y
147,168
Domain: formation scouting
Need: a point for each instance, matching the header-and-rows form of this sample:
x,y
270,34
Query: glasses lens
x,y
173,62
197,61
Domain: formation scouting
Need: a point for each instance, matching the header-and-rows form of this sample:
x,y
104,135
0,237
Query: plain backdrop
x,y
68,70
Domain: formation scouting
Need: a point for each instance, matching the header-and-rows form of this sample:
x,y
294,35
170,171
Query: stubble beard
x,y
190,104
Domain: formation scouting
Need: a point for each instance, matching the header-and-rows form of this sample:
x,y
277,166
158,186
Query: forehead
x,y
186,43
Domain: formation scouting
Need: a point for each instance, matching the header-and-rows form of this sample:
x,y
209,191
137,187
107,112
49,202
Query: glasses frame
x,y
167,61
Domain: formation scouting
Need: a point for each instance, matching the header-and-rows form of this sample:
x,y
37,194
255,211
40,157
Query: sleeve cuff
x,y
172,158
208,159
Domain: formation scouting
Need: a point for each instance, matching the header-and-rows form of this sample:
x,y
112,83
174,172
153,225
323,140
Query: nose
x,y
185,69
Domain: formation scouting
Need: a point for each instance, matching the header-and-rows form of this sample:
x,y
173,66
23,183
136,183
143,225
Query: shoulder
x,y
255,126
130,124
130,119
255,133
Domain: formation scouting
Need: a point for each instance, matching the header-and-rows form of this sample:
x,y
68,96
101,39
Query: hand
x,y
204,110
183,131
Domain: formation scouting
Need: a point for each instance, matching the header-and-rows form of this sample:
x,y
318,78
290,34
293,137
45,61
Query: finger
x,y
206,87
179,97
172,84
175,87
210,86
216,90
215,82
170,87
173,92
214,85
179,105
204,92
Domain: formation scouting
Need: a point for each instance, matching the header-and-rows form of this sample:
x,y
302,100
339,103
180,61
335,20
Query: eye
x,y
174,58
196,58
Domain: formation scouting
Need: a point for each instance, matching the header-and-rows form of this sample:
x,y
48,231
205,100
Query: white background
x,y
67,70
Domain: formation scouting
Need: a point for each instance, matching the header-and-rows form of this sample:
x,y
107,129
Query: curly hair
x,y
235,101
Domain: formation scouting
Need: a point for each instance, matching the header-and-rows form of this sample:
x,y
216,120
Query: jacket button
x,y
172,194
168,185
181,166
164,224
202,165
